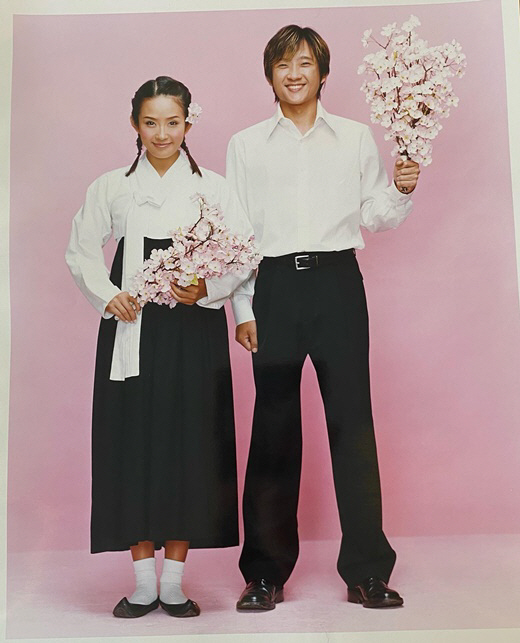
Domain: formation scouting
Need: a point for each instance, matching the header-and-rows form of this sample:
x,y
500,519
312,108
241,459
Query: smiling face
x,y
162,128
296,79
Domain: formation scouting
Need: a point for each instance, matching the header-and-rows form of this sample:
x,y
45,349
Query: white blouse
x,y
144,205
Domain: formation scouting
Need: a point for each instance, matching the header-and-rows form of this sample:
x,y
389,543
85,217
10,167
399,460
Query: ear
x,y
133,124
187,128
324,78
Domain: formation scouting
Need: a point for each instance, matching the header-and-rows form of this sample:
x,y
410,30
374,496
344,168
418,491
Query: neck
x,y
161,166
303,116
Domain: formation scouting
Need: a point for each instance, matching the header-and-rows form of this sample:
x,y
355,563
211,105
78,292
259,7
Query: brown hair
x,y
161,86
287,41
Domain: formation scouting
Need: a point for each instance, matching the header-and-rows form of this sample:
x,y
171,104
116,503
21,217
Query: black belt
x,y
305,261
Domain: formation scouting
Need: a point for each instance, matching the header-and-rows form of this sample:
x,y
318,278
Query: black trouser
x,y
320,312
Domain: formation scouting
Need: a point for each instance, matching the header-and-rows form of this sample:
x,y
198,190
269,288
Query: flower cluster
x,y
408,88
206,249
194,112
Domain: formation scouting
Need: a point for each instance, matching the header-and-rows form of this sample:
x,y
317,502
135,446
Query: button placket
x,y
306,177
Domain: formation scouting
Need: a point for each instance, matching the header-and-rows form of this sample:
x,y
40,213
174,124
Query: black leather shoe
x,y
181,610
259,596
125,609
374,592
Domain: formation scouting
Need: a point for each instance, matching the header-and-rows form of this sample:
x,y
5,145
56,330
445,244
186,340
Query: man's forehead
x,y
303,51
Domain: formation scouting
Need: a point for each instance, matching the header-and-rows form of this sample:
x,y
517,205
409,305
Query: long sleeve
x,y
220,288
241,301
236,170
236,175
91,229
382,206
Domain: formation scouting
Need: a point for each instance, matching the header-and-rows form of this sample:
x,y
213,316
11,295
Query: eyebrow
x,y
168,118
302,57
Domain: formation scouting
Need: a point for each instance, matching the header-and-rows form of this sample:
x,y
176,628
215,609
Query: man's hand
x,y
124,307
189,294
246,335
406,175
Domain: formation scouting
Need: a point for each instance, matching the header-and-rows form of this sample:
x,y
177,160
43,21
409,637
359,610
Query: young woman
x,y
163,442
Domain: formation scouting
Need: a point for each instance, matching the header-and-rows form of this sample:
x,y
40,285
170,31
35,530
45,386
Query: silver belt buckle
x,y
298,267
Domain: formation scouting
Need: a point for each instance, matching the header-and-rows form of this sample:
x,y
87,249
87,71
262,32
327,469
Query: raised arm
x,y
383,206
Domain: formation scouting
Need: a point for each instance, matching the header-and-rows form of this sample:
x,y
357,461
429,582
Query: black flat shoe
x,y
374,592
125,609
181,610
259,596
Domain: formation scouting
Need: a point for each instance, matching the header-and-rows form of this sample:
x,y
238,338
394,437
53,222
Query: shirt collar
x,y
148,169
151,188
321,114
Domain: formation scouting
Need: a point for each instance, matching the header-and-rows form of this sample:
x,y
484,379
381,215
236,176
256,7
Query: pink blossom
x,y
408,87
204,250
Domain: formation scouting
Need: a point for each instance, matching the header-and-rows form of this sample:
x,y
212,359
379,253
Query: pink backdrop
x,y
442,289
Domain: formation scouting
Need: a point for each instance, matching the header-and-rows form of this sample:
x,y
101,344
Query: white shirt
x,y
313,191
144,205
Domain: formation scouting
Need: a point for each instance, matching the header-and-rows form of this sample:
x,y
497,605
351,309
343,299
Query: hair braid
x,y
194,167
139,144
161,86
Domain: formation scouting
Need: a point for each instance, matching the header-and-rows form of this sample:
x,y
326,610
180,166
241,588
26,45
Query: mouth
x,y
295,87
161,145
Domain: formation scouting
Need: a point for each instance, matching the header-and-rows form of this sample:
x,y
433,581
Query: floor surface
x,y
448,583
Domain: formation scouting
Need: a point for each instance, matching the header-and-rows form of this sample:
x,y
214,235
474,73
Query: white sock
x,y
171,579
145,582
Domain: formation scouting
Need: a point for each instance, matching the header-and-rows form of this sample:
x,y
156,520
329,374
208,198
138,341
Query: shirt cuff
x,y
108,298
242,309
214,299
210,290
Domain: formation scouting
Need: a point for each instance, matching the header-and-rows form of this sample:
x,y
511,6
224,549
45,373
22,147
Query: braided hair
x,y
161,86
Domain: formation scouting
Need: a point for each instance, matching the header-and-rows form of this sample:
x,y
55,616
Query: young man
x,y
308,180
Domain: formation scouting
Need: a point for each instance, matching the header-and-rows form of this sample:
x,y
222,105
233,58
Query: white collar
x,y
321,114
147,170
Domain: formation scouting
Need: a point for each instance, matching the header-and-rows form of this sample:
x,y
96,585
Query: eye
x,y
149,123
281,65
173,123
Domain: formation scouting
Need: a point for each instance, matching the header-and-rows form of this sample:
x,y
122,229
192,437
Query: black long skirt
x,y
163,443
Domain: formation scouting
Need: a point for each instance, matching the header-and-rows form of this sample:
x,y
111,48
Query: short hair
x,y
287,41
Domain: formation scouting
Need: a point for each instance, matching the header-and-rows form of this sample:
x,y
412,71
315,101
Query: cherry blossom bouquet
x,y
411,90
205,249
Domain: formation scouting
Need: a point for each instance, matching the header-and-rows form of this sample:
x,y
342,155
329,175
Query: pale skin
x,y
162,128
296,82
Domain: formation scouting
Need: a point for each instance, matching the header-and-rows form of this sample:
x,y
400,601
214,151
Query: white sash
x,y
125,357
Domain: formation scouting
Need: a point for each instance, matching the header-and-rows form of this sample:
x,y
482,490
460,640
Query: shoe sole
x,y
259,607
354,596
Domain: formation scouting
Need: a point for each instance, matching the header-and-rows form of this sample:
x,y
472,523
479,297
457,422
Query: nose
x,y
294,71
161,134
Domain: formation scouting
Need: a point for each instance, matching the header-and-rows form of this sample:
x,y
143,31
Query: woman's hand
x,y
124,307
406,175
245,334
189,294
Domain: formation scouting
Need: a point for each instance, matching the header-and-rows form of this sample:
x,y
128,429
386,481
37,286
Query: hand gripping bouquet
x,y
206,249
408,89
